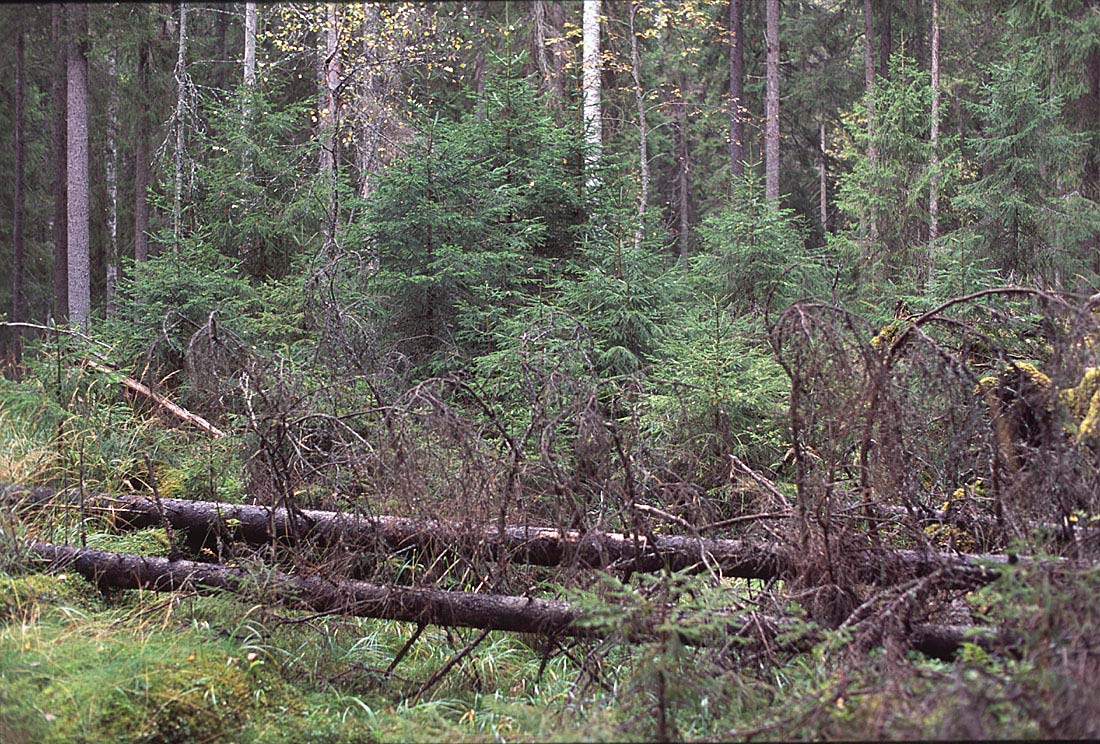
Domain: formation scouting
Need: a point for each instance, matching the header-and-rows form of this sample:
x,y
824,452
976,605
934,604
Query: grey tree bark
x,y
771,126
250,45
823,181
59,153
934,142
79,263
592,68
18,268
141,166
870,229
111,169
643,130
180,123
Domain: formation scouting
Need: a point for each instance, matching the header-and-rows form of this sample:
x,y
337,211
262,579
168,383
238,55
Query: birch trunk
x,y
591,87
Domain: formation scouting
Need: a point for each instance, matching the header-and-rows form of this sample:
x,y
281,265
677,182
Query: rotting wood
x,y
541,546
425,606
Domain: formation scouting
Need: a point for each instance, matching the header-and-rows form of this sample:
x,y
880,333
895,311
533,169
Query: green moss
x,y
151,541
33,592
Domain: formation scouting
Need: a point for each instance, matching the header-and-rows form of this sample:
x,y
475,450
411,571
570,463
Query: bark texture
x,y
430,606
771,114
141,167
18,289
592,66
58,139
643,129
79,248
111,170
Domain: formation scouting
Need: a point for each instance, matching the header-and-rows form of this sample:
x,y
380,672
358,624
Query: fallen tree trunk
x,y
541,546
173,408
424,606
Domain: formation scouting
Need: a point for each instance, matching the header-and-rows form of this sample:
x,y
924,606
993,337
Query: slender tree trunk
x,y
591,87
370,105
771,127
1092,158
18,268
823,183
934,141
682,152
330,81
112,181
737,88
250,45
141,167
80,300
58,139
643,130
886,39
181,118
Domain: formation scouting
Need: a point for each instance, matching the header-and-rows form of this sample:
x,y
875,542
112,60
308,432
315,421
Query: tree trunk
x,y
934,142
438,607
59,138
682,153
539,546
180,122
823,182
737,88
112,181
643,130
18,268
141,164
80,300
250,45
591,87
771,128
885,40
1091,181
329,67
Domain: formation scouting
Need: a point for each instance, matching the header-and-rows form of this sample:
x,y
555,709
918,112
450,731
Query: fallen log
x,y
173,408
421,606
541,546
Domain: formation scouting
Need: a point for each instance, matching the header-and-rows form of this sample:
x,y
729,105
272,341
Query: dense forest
x,y
549,370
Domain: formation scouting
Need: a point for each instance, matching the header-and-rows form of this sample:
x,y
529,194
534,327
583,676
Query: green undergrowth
x,y
140,667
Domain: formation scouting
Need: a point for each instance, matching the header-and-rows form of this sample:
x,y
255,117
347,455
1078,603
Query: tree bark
x,y
771,127
885,39
250,45
180,119
329,68
58,138
934,143
539,546
80,300
141,166
18,288
643,130
823,182
592,66
682,153
112,181
498,612
737,88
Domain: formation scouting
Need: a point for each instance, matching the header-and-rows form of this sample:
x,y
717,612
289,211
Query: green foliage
x,y
1025,212
753,254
